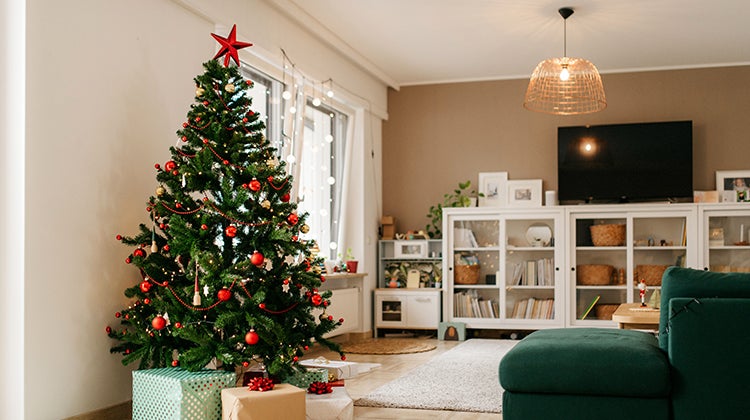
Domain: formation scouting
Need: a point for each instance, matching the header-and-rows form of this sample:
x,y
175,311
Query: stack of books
x,y
539,272
468,304
534,308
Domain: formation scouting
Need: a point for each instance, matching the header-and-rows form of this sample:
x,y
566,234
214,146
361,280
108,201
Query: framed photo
x,y
494,187
525,193
733,186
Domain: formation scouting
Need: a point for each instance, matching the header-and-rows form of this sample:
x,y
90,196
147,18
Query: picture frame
x,y
525,193
733,186
493,187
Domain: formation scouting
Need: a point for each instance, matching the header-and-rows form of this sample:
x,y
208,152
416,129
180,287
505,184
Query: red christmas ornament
x,y
128,260
245,363
270,178
295,359
108,329
343,357
147,301
157,166
145,286
178,205
197,119
205,103
292,219
139,252
158,322
175,363
322,279
231,231
257,259
330,317
204,227
295,238
226,162
170,166
252,337
165,248
341,320
184,138
175,172
118,237
224,294
229,46
285,198
205,141
244,119
254,185
320,388
260,384
184,125
127,351
307,348
262,305
178,325
117,314
316,300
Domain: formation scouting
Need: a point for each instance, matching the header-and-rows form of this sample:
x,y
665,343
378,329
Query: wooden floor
x,y
394,366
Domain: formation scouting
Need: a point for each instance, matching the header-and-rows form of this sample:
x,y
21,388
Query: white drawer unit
x,y
407,309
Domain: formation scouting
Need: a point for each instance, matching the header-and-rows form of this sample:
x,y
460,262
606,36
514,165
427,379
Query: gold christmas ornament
x,y
266,204
160,191
304,228
199,92
229,88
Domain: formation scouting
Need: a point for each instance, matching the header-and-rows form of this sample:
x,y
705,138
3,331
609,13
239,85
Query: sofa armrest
x,y
709,346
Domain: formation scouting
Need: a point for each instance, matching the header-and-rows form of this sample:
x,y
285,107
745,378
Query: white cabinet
x,y
502,267
611,248
407,309
724,237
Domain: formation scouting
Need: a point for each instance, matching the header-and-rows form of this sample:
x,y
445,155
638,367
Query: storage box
x,y
410,249
283,402
304,379
175,393
452,331
336,369
389,227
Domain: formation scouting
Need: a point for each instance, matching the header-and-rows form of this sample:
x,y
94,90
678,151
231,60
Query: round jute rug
x,y
388,346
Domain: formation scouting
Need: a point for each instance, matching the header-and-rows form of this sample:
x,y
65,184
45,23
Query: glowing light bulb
x,y
329,138
291,159
333,245
316,101
329,94
286,95
292,110
587,147
331,180
564,74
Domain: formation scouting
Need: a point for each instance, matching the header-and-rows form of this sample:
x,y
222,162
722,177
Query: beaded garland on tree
x,y
222,224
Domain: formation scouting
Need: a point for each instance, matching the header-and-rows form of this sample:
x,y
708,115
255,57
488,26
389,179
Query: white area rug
x,y
461,379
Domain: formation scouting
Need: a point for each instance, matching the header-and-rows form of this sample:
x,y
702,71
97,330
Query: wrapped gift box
x,y
337,405
175,393
304,379
338,369
283,402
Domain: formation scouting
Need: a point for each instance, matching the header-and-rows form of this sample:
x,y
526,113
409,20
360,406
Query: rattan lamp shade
x,y
581,93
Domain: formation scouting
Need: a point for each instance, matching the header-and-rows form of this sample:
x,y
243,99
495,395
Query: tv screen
x,y
625,162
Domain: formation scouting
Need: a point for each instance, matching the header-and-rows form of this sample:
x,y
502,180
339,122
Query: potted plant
x,y
460,197
350,264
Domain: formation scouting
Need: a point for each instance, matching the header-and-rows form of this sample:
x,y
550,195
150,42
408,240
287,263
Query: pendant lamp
x,y
567,85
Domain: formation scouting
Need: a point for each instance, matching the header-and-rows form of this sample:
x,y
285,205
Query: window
x,y
266,96
321,174
320,154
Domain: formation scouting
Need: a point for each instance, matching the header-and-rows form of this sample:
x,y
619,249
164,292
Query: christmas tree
x,y
224,275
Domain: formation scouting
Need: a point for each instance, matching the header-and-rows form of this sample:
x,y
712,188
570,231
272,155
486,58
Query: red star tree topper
x,y
229,46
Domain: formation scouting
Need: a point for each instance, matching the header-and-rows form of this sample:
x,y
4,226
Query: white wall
x,y
108,84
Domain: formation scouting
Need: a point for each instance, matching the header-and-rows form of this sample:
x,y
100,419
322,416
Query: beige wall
x,y
438,135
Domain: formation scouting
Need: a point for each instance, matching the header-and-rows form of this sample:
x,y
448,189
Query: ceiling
x,y
410,42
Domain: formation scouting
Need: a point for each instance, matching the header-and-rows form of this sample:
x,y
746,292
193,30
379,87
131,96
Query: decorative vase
x,y
351,266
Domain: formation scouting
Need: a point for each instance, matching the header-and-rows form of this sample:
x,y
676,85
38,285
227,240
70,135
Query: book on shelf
x,y
467,304
534,308
533,273
590,307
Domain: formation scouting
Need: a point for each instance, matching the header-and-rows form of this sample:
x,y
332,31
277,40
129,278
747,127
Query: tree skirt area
x,y
388,346
462,379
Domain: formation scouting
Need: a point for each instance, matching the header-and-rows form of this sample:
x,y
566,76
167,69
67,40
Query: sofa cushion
x,y
587,361
690,283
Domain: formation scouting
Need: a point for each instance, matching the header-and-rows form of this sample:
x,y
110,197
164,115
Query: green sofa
x,y
697,369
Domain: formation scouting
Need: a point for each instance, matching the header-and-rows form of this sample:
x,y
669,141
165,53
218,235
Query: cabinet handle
x,y
572,269
423,299
557,268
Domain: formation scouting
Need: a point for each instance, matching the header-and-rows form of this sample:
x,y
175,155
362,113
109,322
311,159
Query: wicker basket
x,y
605,310
651,274
466,274
608,235
594,274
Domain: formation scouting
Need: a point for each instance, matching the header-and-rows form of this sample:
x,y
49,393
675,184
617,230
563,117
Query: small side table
x,y
632,316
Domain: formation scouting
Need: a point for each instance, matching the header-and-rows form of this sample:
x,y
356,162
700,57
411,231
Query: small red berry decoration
x,y
295,359
145,286
108,329
260,384
118,237
166,248
224,294
170,166
285,198
330,317
157,166
204,227
158,322
292,219
117,314
245,363
231,231
251,337
175,363
341,320
254,185
178,325
184,138
128,260
262,306
257,259
146,301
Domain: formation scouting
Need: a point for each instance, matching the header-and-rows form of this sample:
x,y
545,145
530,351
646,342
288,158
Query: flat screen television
x,y
625,162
